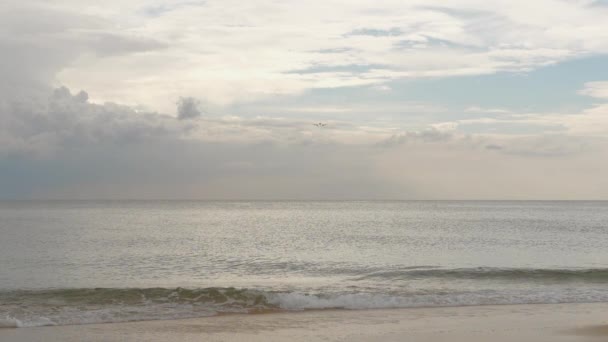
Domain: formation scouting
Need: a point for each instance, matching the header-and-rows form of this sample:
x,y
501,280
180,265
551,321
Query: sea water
x,y
77,262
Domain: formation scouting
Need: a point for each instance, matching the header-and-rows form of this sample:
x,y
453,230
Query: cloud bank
x,y
138,130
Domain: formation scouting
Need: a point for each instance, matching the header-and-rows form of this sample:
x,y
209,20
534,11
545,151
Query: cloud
x,y
249,52
455,171
595,89
42,125
590,122
394,31
137,59
113,44
62,146
430,135
354,69
493,147
188,108
544,146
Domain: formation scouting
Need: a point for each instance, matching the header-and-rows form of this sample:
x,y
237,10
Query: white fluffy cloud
x,y
596,89
143,53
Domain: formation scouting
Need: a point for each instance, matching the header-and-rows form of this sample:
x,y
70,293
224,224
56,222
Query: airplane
x,y
320,124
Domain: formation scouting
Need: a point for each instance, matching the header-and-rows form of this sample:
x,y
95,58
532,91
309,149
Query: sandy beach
x,y
548,322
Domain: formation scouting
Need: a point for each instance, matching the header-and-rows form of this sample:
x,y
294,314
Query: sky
x,y
189,99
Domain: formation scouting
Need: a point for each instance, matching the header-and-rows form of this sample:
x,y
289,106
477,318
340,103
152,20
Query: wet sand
x,y
521,323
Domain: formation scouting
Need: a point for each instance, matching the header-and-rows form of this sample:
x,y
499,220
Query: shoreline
x,y
520,322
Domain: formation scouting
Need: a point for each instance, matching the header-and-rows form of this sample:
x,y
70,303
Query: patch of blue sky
x,y
163,8
552,88
415,104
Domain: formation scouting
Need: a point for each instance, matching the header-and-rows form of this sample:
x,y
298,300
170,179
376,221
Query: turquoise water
x,y
81,262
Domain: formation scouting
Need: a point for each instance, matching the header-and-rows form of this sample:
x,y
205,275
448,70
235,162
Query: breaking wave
x,y
105,305
492,273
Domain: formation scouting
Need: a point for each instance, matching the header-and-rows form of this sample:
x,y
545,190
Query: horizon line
x,y
293,200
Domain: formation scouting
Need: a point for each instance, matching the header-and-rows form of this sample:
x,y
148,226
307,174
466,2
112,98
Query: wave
x,y
27,308
492,273
108,305
11,322
133,296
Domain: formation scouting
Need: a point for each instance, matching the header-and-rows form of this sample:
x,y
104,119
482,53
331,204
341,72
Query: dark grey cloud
x,y
37,41
63,146
28,20
61,120
530,147
493,147
111,44
60,145
429,135
435,43
349,68
373,32
188,108
335,50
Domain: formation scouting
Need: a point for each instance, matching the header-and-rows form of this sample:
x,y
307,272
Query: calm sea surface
x,y
65,262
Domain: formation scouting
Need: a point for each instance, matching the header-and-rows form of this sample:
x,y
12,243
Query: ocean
x,y
80,262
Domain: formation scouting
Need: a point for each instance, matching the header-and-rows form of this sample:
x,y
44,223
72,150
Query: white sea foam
x,y
10,322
